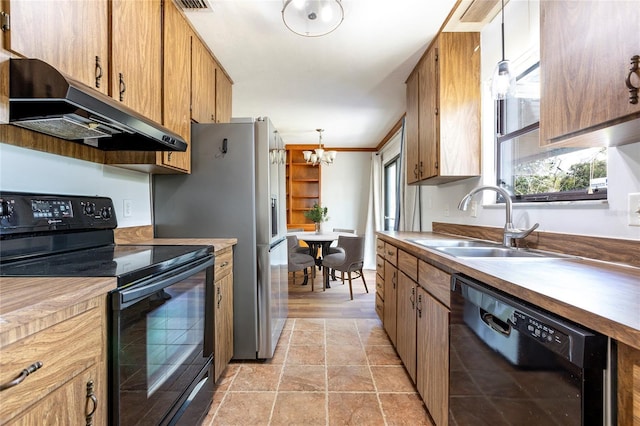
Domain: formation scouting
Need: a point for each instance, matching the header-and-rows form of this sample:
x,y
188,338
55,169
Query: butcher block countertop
x,y
599,295
31,304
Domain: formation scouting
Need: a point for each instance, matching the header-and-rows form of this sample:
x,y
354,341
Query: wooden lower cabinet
x,y
390,297
628,385
73,356
223,328
432,346
406,323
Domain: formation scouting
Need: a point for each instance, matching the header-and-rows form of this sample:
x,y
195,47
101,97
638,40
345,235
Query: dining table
x,y
319,243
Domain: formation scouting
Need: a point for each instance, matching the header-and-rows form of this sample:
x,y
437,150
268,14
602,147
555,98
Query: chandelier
x,y
312,18
319,155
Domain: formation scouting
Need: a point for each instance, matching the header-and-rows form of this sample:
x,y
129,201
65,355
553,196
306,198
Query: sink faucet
x,y
510,233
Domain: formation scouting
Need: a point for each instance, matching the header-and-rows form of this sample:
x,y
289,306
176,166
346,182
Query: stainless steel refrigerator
x,y
236,189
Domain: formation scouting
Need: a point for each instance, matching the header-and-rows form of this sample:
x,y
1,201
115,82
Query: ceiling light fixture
x,y
319,155
503,82
312,18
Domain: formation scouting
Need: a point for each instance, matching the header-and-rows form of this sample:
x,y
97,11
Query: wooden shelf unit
x,y
303,188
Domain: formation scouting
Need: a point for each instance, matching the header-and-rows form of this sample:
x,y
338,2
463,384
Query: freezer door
x,y
273,296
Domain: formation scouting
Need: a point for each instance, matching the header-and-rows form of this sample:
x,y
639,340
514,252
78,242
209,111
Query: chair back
x,y
292,243
353,251
351,231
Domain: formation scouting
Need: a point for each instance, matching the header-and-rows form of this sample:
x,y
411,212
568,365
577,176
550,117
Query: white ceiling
x,y
349,82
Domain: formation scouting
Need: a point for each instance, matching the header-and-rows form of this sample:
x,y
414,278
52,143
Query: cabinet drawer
x,y
380,308
65,350
435,281
224,264
391,254
380,265
380,286
408,264
380,247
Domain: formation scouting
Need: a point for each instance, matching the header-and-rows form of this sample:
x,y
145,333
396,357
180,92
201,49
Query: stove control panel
x,y
24,213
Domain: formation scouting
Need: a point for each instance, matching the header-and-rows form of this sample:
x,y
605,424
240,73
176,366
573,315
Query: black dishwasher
x,y
514,364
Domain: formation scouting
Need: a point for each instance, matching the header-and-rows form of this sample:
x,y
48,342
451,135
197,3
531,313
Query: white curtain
x,y
374,212
408,217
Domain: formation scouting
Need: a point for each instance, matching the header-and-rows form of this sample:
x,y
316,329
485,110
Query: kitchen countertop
x,y
599,295
31,304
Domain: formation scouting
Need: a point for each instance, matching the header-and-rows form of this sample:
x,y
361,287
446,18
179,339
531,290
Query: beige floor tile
x,y
354,409
382,355
245,408
300,408
349,378
306,355
404,409
257,377
309,324
310,378
374,336
392,379
346,355
227,377
340,337
341,324
307,337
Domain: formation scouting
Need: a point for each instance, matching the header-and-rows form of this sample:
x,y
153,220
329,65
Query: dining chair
x,y
300,249
337,249
350,261
299,261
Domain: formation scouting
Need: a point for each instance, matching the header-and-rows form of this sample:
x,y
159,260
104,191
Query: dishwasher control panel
x,y
551,337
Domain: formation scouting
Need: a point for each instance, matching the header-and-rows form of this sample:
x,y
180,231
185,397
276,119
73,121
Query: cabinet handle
x,y
123,87
421,169
415,170
633,91
98,72
23,375
91,404
412,298
393,280
223,264
219,297
419,306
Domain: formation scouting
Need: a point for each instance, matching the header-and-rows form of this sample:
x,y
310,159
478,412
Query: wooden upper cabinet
x,y
177,83
585,57
446,144
203,87
70,35
136,55
223,97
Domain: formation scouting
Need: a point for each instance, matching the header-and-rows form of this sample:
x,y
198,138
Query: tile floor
x,y
324,372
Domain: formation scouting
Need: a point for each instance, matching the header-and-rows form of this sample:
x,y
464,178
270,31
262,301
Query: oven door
x,y
162,346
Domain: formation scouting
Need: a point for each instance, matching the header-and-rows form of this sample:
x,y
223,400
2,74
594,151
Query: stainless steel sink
x,y
454,243
491,252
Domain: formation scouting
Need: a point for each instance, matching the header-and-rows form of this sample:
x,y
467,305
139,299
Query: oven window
x,y
160,350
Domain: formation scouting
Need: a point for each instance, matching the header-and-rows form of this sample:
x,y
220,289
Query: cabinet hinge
x,y
5,21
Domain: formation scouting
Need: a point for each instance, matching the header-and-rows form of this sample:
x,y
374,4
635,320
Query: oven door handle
x,y
127,297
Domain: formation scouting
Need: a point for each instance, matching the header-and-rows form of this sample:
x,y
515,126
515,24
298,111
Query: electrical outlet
x,y
634,209
127,208
474,209
446,210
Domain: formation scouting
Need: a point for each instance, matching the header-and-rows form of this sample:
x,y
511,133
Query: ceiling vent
x,y
193,5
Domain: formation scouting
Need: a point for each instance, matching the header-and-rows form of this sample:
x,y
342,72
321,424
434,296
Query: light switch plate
x,y
634,209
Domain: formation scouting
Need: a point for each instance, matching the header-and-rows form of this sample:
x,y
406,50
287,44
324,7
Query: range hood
x,y
44,100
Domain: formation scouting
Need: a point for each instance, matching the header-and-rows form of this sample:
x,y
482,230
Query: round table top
x,y
323,236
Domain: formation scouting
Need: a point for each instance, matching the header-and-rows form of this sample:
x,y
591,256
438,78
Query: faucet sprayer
x,y
510,233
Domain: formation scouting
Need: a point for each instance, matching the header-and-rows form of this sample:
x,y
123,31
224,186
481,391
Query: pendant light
x,y
312,18
319,155
503,82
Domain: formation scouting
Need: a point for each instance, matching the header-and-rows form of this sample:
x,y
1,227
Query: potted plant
x,y
317,215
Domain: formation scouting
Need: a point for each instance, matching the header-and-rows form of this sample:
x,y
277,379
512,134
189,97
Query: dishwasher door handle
x,y
495,323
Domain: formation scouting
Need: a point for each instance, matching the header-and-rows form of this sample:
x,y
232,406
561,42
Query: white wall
x,y
607,219
345,190
26,170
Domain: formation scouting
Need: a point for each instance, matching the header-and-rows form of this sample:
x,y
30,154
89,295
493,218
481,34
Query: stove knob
x,y
106,213
5,209
89,209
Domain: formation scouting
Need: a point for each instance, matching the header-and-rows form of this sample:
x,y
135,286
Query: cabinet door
x,y
223,97
412,128
203,82
177,83
628,385
390,292
136,55
70,35
428,120
433,356
406,323
223,345
585,53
